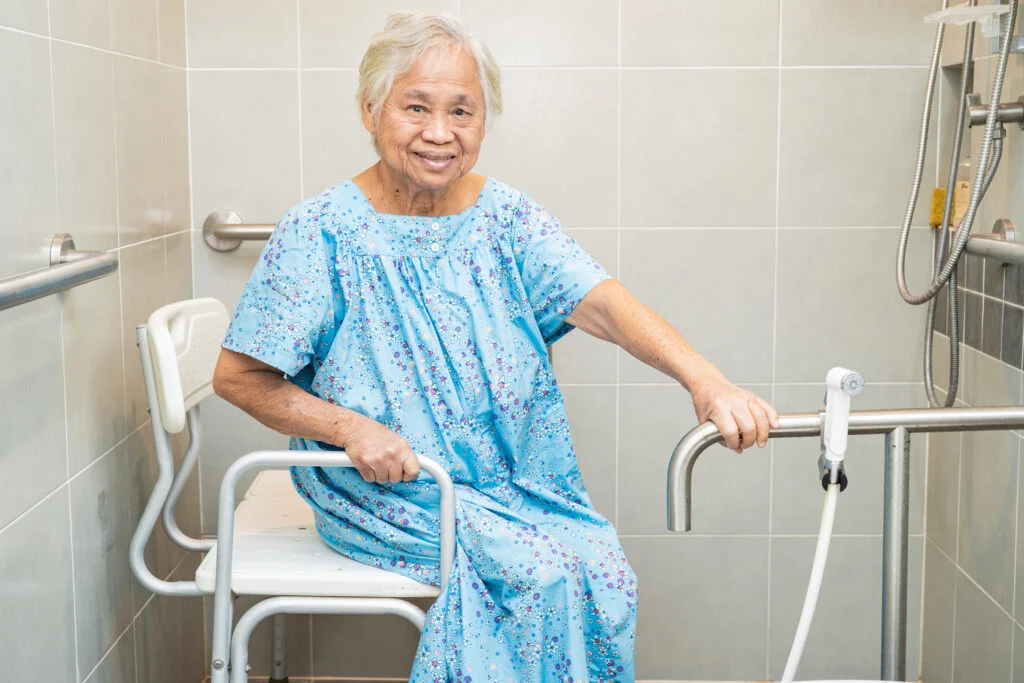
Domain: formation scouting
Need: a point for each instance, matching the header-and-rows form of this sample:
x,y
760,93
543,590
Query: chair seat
x,y
272,484
277,551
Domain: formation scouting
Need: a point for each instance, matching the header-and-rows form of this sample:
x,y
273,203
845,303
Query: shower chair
x,y
267,546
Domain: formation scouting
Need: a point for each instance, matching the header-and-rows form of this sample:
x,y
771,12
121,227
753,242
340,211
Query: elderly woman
x,y
409,311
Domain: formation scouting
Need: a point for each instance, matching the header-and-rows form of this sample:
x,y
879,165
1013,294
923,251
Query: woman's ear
x,y
367,110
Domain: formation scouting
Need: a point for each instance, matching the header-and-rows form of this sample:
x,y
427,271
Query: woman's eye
x,y
460,112
415,108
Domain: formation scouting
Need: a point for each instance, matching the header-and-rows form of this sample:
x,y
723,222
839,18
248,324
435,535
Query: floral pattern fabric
x,y
438,327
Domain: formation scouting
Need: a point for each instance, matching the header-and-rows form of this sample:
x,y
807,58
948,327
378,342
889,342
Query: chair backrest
x,y
184,342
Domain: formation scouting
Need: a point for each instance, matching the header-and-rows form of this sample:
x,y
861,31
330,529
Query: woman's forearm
x,y
611,312
261,391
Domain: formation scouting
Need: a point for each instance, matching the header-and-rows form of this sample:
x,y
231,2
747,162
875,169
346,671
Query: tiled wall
x,y
741,167
93,142
973,612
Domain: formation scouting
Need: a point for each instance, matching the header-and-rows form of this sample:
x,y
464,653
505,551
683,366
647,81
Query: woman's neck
x,y
390,193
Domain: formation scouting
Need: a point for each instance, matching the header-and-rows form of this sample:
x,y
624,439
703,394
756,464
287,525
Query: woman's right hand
x,y
379,454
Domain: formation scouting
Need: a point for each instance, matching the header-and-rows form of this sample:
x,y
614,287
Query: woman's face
x,y
432,123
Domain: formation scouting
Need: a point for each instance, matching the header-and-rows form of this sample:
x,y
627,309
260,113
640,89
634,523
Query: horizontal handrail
x,y
68,268
698,439
996,246
225,231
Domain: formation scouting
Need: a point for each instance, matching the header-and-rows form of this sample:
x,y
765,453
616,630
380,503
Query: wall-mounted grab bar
x,y
68,268
897,425
1001,244
225,231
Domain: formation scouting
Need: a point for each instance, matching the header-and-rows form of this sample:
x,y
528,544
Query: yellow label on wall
x,y
961,198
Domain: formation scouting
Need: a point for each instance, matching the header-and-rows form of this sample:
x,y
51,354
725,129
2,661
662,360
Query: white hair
x,y
406,37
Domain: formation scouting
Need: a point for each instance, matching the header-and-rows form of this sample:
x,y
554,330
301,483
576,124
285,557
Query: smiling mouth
x,y
435,158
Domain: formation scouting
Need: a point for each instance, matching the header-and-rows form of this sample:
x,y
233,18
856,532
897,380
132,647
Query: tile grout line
x,y
775,335
85,46
111,649
298,79
618,245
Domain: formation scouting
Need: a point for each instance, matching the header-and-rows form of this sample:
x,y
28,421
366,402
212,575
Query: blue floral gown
x,y
437,328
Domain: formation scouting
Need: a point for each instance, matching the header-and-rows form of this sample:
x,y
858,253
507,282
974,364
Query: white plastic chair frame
x,y
165,494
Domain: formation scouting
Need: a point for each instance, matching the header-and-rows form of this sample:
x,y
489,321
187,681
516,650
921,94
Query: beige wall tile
x,y
336,33
175,176
943,490
32,424
556,142
682,629
824,32
26,15
248,33
248,161
983,636
134,28
358,646
730,493
863,176
140,158
143,290
988,511
94,371
28,190
102,534
837,303
682,174
158,651
81,21
714,286
118,666
985,381
592,415
539,33
335,145
171,18
937,636
86,166
700,33
848,614
35,556
179,266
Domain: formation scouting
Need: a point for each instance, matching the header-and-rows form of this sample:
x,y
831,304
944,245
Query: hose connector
x,y
841,386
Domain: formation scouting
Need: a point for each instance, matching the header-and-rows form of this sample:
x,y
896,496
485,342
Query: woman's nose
x,y
438,130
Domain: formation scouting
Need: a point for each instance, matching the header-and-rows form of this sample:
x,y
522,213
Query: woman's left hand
x,y
742,417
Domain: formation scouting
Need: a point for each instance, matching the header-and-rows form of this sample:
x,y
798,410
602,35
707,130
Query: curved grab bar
x,y
698,439
68,268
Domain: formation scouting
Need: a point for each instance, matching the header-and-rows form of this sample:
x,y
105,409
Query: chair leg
x,y
278,665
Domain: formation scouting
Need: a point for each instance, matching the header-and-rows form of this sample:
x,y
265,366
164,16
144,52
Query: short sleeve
x,y
290,303
556,272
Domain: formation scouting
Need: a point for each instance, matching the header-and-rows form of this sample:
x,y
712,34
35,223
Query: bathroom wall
x,y
741,167
93,142
973,614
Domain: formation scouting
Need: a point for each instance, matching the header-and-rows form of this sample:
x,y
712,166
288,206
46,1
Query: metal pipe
x,y
279,652
996,246
302,605
225,532
1007,112
225,231
68,268
895,554
686,453
174,532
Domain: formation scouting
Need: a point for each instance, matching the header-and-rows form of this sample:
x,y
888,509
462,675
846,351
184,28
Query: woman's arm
x,y
261,390
610,312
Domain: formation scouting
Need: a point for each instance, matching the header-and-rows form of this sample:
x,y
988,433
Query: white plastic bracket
x,y
989,16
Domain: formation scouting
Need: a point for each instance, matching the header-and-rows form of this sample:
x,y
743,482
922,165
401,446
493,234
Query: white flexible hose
x,y
828,518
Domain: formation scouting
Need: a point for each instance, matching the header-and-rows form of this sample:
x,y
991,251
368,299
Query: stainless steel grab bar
x,y
684,457
897,425
225,231
68,268
1001,244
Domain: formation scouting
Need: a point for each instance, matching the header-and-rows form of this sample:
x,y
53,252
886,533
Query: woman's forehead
x,y
451,73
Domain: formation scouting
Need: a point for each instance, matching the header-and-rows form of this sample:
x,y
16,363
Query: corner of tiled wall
x,y
93,142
